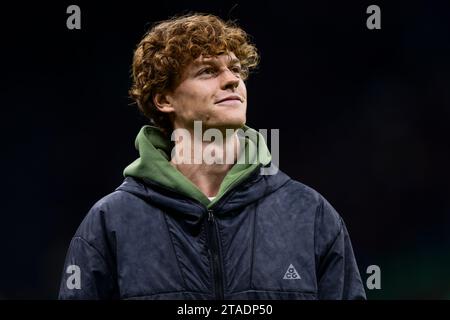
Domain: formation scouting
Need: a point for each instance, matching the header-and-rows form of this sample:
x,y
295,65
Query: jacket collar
x,y
250,190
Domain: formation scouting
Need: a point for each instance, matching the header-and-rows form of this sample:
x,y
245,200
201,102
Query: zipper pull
x,y
210,215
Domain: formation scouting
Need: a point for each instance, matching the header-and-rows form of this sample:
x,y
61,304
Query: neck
x,y
208,168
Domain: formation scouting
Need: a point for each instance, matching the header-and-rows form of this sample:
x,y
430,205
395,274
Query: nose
x,y
230,80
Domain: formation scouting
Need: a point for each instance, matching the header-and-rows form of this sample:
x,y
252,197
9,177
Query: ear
x,y
163,102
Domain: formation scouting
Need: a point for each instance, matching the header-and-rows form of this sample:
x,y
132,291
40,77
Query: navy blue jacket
x,y
270,237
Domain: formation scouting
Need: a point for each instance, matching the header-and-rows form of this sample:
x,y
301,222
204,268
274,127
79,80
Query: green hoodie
x,y
154,163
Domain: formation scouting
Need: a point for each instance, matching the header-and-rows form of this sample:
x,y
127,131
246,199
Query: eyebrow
x,y
212,62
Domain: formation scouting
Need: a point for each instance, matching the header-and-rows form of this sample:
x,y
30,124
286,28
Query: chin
x,y
233,123
228,124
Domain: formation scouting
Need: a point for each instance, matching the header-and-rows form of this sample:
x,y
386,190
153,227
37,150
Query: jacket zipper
x,y
212,237
215,254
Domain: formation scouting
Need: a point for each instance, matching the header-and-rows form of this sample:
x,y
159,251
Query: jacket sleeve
x,y
337,271
85,275
88,272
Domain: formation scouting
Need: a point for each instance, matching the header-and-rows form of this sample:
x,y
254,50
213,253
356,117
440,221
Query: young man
x,y
180,227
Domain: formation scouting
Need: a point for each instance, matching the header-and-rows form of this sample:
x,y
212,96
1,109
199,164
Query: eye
x,y
207,71
236,69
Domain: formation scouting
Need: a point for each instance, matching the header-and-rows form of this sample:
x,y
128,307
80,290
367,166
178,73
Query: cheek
x,y
186,101
243,89
198,96
195,104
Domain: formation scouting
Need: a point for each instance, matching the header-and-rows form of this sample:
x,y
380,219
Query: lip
x,y
229,99
230,102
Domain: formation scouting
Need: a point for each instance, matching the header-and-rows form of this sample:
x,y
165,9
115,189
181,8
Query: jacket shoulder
x,y
306,197
99,217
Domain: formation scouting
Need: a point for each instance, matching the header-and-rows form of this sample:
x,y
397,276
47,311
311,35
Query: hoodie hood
x,y
154,167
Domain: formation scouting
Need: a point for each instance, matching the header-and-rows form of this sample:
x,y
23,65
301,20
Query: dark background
x,y
363,118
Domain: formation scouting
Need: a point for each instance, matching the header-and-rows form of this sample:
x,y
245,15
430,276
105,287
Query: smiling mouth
x,y
229,102
231,97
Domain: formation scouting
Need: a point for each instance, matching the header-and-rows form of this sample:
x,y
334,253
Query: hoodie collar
x,y
153,164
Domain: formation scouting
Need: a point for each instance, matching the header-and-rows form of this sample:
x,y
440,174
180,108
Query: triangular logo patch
x,y
291,274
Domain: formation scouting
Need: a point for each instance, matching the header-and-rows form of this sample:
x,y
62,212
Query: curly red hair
x,y
169,46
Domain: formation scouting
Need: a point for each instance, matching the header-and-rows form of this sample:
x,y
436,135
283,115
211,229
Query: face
x,y
210,90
